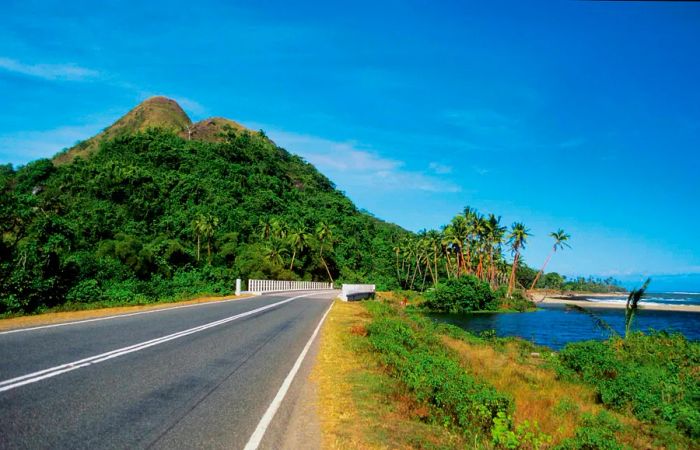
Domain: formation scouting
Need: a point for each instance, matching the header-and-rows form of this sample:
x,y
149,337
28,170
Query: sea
x,y
554,325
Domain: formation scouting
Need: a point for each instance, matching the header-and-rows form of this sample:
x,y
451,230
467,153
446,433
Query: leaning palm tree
x,y
631,305
324,234
560,239
517,239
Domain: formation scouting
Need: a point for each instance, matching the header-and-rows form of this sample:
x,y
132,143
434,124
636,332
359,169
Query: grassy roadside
x,y
388,378
90,310
360,405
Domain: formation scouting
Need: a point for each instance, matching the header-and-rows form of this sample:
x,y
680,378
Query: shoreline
x,y
581,301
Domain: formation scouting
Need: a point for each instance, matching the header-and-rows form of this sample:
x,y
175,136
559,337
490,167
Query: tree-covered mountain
x,y
157,206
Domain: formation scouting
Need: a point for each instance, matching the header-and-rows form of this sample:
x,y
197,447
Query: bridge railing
x,y
259,286
357,291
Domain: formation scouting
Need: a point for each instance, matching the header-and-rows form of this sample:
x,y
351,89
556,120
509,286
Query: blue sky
x,y
567,114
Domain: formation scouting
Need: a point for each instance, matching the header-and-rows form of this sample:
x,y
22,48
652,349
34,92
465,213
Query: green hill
x,y
156,206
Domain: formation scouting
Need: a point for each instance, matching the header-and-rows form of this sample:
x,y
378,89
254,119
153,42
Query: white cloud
x,y
440,169
68,72
24,146
348,163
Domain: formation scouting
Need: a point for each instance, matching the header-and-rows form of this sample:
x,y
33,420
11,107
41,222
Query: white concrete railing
x,y
356,291
282,285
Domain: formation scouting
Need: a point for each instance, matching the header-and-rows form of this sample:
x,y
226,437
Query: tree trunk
x,y
198,247
537,277
511,283
294,253
320,254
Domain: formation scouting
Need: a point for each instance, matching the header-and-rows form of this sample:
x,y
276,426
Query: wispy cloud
x,y
65,72
24,146
439,168
349,163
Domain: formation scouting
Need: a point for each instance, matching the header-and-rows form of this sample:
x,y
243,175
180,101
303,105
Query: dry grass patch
x,y
359,406
539,396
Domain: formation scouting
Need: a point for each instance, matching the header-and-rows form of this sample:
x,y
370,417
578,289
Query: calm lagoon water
x,y
554,325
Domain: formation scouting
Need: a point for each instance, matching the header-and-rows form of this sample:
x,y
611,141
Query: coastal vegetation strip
x,y
503,392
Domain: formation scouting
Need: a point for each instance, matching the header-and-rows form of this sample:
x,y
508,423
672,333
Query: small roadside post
x,y
238,286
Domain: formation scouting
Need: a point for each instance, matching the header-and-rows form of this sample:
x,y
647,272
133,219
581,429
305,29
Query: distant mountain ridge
x,y
155,112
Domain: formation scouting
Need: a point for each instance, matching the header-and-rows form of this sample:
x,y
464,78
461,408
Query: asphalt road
x,y
194,377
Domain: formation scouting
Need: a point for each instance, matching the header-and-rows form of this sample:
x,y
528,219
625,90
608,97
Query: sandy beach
x,y
580,300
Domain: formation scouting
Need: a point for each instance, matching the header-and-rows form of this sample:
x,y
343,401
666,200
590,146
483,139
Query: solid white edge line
x,y
266,420
119,316
33,377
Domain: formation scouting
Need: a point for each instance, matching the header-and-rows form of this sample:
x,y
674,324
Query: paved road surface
x,y
200,376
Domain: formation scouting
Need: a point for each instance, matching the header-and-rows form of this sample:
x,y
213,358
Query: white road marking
x,y
119,316
266,419
68,367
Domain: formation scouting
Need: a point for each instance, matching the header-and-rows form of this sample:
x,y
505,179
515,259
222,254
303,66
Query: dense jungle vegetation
x,y
153,215
138,214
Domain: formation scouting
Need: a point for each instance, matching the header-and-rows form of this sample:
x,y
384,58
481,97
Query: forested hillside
x,y
161,213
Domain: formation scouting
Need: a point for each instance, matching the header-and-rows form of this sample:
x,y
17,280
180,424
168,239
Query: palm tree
x,y
517,239
435,245
480,231
204,226
560,239
299,239
494,238
275,251
265,228
397,252
470,216
324,234
460,232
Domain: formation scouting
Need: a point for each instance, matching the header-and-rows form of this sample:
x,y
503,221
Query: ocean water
x,y
655,298
556,325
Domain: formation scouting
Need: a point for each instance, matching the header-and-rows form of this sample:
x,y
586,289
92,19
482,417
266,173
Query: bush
x,y
462,294
653,376
86,291
595,433
516,302
416,357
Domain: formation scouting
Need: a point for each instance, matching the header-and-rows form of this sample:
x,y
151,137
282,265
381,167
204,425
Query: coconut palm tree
x,y
494,238
299,240
275,251
480,232
324,234
204,227
460,231
560,239
517,239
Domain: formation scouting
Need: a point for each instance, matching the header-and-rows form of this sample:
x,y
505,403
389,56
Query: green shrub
x,y
416,357
516,302
463,294
653,376
86,291
595,433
